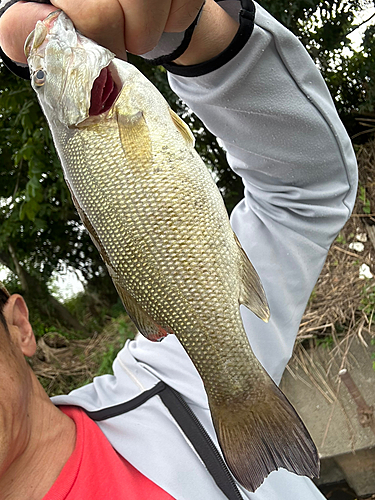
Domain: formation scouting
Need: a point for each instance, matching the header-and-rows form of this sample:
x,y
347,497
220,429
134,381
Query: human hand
x,y
119,25
16,24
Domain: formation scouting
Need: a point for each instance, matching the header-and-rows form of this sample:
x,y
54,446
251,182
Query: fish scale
x,y
142,204
159,222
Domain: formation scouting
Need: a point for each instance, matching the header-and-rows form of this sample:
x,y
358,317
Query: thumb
x,y
17,23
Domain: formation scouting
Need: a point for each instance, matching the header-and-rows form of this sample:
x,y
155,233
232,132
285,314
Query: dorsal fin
x,y
252,294
183,128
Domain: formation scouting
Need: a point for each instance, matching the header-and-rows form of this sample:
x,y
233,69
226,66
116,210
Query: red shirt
x,y
95,471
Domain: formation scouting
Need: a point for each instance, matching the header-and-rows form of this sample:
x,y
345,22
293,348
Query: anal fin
x,y
143,321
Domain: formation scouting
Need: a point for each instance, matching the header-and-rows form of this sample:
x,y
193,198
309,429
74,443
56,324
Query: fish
x,y
159,222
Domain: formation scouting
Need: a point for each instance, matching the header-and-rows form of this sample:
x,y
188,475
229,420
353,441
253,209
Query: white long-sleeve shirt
x,y
272,111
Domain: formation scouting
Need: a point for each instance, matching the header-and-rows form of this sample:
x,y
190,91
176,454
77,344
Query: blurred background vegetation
x,y
40,231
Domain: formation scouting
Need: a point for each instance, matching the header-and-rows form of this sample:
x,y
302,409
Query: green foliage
x,y
341,239
107,359
91,311
87,358
325,342
366,204
368,300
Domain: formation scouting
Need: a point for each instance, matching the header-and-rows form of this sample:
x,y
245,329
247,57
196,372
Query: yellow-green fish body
x,y
160,224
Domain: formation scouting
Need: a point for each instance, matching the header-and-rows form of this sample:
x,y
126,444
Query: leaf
x,y
22,211
31,208
40,224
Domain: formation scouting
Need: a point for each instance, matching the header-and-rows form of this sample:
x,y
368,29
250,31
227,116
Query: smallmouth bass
x,y
160,225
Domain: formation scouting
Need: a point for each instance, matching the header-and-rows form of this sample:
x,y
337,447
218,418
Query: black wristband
x,y
177,52
18,70
246,20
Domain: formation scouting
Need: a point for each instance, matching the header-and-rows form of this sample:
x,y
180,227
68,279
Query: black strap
x,y
181,48
201,441
114,411
245,30
189,424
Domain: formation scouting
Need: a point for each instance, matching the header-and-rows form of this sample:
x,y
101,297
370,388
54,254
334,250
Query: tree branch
x,y
360,24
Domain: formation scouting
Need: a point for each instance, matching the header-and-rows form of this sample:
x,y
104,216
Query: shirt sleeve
x,y
272,111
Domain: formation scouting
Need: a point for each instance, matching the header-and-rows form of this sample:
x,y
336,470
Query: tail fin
x,y
259,438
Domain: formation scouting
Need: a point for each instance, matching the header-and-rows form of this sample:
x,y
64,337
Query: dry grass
x,y
341,304
63,365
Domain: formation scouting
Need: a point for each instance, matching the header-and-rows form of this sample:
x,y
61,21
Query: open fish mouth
x,y
103,93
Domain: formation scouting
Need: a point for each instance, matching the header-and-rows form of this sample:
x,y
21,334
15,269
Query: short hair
x,y
4,296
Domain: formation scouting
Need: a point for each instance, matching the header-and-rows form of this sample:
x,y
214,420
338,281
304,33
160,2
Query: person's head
x,y
16,378
36,438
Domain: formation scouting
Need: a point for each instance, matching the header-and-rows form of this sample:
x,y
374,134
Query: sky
x,y
67,283
356,36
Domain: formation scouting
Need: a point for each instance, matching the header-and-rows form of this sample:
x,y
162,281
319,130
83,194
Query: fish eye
x,y
39,78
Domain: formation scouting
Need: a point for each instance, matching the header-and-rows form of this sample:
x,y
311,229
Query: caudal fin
x,y
259,438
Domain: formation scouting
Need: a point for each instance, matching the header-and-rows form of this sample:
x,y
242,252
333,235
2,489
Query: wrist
x,y
214,32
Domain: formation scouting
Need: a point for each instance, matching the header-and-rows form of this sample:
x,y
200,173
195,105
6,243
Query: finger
x,y
100,20
144,23
16,24
182,14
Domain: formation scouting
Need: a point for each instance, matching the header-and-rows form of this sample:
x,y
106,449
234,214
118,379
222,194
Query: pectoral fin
x,y
134,136
144,323
182,128
252,294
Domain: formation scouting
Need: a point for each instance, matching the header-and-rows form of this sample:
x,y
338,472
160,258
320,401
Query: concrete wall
x,y
312,384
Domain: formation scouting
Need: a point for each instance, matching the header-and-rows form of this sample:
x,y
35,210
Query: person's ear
x,y
17,317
